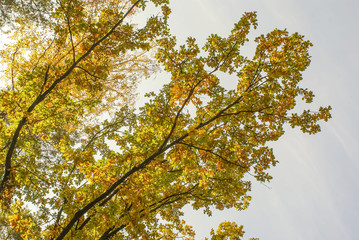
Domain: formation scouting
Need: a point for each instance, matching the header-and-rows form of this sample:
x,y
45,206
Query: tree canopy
x,y
79,161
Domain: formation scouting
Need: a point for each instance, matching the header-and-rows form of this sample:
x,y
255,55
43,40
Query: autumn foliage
x,y
80,162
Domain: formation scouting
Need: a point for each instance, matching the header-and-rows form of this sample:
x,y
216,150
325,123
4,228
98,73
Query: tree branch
x,y
41,97
178,114
71,40
45,79
111,232
215,154
42,55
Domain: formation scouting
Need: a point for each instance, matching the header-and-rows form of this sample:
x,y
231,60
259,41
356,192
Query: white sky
x,y
315,192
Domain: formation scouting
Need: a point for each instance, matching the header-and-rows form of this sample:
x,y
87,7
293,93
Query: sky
x,y
315,189
314,193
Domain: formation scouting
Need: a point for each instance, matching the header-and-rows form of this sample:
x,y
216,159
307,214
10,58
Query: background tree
x,y
81,163
35,11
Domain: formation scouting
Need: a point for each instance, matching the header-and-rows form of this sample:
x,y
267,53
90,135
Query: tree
x,y
80,162
35,11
